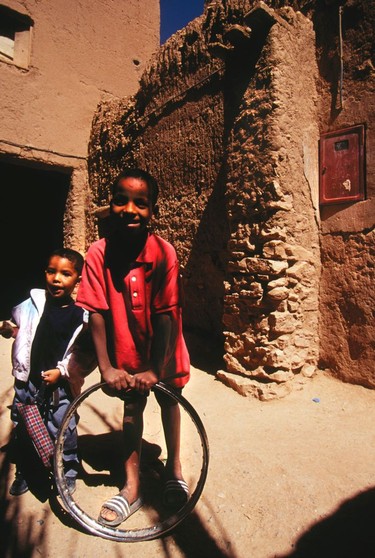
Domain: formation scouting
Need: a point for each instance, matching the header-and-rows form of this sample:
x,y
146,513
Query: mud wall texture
x,y
174,127
347,294
228,117
73,56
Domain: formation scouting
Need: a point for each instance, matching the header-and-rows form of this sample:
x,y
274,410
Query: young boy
x,y
130,285
46,327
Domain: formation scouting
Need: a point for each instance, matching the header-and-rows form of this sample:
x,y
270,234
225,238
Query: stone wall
x,y
271,302
228,117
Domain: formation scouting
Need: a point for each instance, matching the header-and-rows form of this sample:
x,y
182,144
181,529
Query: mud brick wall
x,y
347,293
174,127
271,302
228,117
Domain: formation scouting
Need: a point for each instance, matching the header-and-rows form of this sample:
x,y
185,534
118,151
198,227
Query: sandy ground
x,y
286,478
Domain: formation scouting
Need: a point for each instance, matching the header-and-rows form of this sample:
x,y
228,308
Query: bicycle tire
x,y
138,534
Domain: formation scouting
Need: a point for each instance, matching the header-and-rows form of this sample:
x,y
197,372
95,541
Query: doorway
x,y
32,225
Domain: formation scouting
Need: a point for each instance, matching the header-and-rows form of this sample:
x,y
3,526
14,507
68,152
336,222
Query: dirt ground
x,y
287,478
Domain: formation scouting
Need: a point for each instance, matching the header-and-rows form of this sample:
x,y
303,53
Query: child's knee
x,y
165,400
135,403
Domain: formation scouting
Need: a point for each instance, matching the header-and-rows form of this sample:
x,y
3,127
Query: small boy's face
x,y
61,277
131,205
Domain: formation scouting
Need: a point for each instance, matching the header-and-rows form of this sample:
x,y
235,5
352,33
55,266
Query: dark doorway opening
x,y
31,221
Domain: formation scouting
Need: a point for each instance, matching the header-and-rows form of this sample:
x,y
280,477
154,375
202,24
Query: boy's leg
x,y
176,491
132,436
18,443
70,449
171,419
17,448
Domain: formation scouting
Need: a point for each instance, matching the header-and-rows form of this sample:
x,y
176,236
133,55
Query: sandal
x,y
176,493
120,505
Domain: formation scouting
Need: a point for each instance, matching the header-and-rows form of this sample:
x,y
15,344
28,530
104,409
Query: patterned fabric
x,y
37,431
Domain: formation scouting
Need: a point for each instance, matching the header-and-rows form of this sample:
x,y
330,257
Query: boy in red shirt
x,y
130,285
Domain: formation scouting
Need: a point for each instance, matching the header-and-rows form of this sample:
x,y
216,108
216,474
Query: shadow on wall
x,y
204,276
347,533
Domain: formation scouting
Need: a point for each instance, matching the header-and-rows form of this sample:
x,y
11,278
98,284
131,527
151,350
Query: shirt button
x,y
135,295
133,278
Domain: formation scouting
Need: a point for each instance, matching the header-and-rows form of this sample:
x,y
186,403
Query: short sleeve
x,y
167,293
92,290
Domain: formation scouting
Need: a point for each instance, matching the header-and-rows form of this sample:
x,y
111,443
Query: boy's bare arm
x,y
162,325
115,378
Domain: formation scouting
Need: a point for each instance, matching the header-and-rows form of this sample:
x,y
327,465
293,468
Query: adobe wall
x,y
174,127
228,117
80,54
271,302
347,294
232,190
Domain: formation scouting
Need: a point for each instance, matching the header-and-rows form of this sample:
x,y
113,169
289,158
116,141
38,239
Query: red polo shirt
x,y
129,296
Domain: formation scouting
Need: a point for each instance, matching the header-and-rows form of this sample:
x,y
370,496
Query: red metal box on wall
x,y
342,166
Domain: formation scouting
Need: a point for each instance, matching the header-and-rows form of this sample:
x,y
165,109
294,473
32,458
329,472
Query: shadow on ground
x,y
347,533
21,538
12,544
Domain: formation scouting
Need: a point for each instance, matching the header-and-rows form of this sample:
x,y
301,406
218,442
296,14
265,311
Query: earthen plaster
x,y
228,117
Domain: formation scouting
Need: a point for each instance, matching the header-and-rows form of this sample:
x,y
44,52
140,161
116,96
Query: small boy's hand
x,y
144,381
115,378
6,330
51,376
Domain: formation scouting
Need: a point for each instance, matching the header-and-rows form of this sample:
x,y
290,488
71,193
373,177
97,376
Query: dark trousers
x,y
53,410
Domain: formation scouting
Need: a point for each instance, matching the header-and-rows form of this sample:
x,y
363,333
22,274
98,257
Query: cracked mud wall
x,y
228,117
347,293
271,303
174,127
